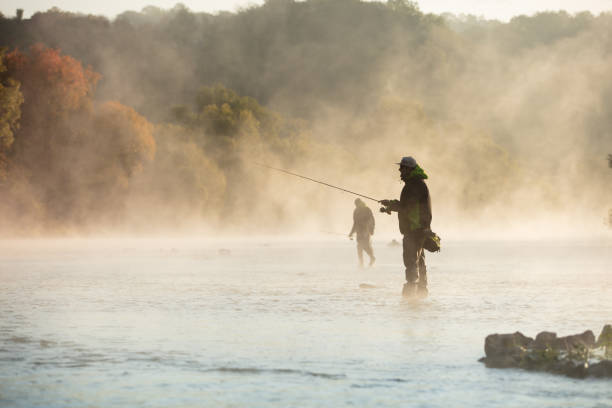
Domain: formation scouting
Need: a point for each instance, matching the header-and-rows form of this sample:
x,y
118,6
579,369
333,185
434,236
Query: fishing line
x,y
317,181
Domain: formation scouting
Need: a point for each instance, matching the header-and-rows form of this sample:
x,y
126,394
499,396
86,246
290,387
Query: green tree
x,y
11,99
181,186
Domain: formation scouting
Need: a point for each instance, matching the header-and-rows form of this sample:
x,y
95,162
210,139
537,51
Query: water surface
x,y
273,323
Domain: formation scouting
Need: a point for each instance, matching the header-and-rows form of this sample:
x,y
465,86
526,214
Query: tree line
x,y
157,116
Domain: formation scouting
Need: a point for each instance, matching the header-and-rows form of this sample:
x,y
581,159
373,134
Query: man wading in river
x,y
414,213
363,226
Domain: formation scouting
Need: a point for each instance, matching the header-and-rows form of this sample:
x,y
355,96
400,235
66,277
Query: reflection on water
x,y
272,323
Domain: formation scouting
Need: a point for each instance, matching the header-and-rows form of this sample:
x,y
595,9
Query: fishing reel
x,y
386,206
385,210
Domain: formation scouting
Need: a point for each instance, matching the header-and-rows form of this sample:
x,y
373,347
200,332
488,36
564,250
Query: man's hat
x,y
408,162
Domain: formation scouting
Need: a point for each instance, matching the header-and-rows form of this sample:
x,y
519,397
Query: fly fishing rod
x,y
318,181
336,233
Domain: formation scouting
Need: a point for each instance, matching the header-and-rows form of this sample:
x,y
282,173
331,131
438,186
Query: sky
x,y
491,9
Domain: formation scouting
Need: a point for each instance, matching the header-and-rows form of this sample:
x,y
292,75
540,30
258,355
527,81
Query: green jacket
x,y
414,206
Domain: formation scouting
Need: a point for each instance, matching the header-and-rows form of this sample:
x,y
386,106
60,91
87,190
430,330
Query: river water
x,y
288,323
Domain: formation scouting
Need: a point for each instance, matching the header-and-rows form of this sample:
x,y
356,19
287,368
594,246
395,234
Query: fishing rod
x,y
317,181
336,233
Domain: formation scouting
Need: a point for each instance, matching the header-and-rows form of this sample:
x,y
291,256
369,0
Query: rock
x,y
571,344
582,341
505,350
544,340
605,340
577,356
601,369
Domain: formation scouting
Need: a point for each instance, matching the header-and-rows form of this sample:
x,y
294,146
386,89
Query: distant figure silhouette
x,y
363,226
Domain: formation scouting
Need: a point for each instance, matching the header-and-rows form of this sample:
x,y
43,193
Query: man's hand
x,y
386,204
350,236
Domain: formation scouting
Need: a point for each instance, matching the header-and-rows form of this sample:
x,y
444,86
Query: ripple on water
x,y
283,371
294,319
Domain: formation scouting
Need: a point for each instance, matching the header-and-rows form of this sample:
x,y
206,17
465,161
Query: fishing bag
x,y
432,241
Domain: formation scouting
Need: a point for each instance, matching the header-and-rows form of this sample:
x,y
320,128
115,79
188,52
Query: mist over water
x,y
149,257
275,323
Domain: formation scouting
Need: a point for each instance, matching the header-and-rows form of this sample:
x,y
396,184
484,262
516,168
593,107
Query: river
x,y
270,322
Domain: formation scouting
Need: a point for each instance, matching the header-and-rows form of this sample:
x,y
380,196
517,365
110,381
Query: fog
x,y
171,112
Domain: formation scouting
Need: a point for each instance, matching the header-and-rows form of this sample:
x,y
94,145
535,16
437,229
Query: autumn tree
x,y
77,155
11,99
55,88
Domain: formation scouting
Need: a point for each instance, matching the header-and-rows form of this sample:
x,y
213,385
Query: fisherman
x,y
414,213
363,226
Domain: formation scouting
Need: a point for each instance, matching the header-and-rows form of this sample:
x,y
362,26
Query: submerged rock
x,y
577,356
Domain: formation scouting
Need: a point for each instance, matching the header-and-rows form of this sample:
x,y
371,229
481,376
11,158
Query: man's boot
x,y
409,289
422,289
372,260
412,276
422,283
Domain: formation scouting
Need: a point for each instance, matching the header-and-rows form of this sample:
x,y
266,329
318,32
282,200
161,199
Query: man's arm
x,y
372,222
390,205
353,229
426,208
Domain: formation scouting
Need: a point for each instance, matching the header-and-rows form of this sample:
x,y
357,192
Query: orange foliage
x,y
76,158
59,82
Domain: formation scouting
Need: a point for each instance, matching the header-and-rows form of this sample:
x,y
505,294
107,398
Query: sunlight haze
x,y
305,203
490,9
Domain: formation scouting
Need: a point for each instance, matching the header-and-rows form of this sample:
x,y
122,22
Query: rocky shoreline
x,y
577,356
